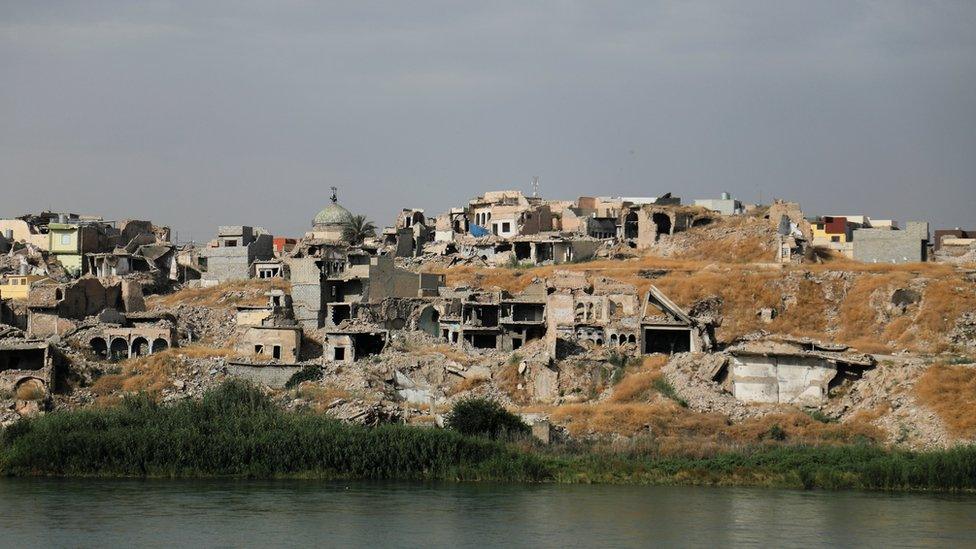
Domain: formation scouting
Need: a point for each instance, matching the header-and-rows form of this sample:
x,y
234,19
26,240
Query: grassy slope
x,y
236,431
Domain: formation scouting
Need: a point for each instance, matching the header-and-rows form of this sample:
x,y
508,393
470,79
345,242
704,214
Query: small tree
x,y
484,417
357,229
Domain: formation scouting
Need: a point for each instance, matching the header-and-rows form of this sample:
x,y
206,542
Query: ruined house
x,y
450,225
507,214
603,312
230,256
55,309
269,332
597,313
352,343
645,224
791,371
667,329
269,268
122,336
18,286
410,233
28,368
371,279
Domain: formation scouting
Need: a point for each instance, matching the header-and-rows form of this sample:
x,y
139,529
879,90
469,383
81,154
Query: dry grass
x,y
447,351
153,373
674,430
321,396
508,379
638,385
224,295
944,300
465,385
30,391
628,418
950,391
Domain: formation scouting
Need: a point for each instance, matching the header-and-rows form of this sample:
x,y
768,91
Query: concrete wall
x,y
287,340
888,246
272,376
306,291
20,230
234,263
784,380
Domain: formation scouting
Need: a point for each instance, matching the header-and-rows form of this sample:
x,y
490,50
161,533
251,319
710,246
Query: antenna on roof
x,y
535,185
334,197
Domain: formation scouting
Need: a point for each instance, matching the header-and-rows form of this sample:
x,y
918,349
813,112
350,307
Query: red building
x,y
284,245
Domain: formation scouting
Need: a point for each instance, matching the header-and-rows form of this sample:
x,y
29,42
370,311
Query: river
x,y
122,513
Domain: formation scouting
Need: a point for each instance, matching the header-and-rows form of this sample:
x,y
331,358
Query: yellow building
x,y
18,286
831,229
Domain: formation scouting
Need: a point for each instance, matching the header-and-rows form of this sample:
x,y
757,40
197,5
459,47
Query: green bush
x,y
312,372
484,417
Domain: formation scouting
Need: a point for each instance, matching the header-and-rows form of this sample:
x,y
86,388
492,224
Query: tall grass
x,y
857,466
237,431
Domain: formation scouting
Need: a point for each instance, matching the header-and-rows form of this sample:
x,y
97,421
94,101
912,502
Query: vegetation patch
x,y
235,430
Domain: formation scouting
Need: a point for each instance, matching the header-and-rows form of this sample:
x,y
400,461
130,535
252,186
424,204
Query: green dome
x,y
333,214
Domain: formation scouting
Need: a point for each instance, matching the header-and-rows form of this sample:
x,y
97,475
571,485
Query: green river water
x,y
123,513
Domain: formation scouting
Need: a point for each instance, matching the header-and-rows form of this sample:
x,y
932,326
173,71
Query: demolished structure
x,y
790,370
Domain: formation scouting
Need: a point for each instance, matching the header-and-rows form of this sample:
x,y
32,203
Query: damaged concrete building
x,y
28,368
269,332
410,233
55,309
123,336
231,255
607,313
791,371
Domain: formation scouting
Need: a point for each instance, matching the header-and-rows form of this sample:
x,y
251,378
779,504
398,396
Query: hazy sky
x,y
206,113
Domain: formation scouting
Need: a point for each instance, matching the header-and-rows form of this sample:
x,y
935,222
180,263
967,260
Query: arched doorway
x,y
662,222
630,225
428,321
119,349
140,347
159,344
99,347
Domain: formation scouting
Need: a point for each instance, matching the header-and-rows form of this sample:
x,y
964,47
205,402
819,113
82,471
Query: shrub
x,y
817,415
312,372
484,417
776,433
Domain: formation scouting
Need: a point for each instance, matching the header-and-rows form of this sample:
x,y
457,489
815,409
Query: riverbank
x,y
235,431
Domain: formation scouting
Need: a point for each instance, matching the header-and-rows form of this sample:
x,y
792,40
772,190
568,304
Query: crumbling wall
x,y
784,380
306,291
281,344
